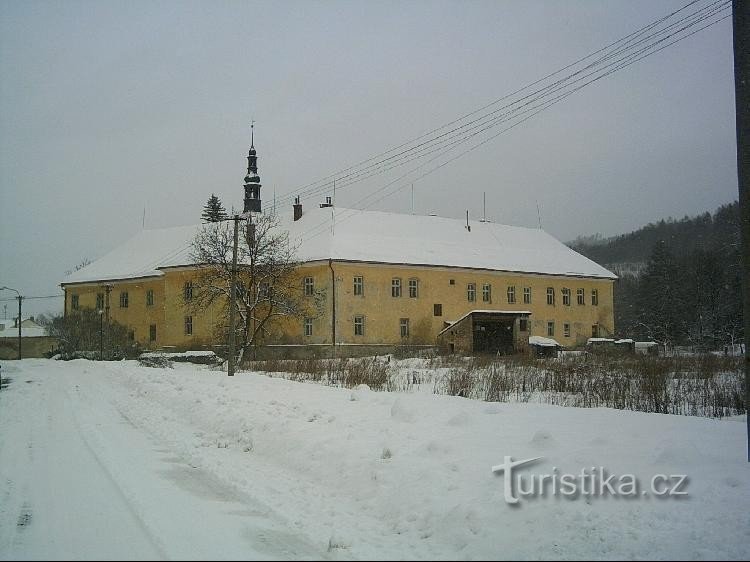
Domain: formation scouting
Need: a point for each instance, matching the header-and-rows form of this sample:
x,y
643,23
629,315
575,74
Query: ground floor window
x,y
152,332
308,327
550,329
404,327
566,330
359,325
188,325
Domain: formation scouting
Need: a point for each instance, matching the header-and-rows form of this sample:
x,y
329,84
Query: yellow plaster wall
x,y
381,311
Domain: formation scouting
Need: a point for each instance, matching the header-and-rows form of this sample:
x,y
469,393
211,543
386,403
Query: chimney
x,y
297,209
327,203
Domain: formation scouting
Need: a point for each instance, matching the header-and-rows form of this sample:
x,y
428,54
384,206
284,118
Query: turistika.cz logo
x,y
589,482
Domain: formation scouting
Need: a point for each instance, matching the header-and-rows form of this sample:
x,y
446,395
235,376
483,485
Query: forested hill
x,y
679,280
682,237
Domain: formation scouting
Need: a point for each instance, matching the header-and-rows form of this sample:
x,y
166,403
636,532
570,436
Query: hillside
x,y
679,280
630,252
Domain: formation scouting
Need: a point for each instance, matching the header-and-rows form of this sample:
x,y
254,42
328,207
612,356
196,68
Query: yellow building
x,y
387,280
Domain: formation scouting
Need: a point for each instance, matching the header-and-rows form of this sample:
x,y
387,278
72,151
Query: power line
x,y
627,43
32,298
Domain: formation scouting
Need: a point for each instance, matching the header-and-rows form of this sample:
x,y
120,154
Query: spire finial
x,y
252,133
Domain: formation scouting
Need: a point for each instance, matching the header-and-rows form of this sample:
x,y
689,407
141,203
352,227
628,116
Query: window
x,y
74,302
486,292
131,335
471,292
437,310
152,332
527,295
452,282
550,329
581,296
359,286
309,287
100,301
308,327
595,331
124,300
150,297
566,296
523,325
413,288
359,325
595,297
395,287
188,325
566,330
187,291
404,327
550,296
511,295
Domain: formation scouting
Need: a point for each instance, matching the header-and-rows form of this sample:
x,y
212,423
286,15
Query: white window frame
x,y
396,287
359,325
565,296
413,288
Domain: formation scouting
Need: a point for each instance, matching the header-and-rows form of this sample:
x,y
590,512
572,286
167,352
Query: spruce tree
x,y
214,211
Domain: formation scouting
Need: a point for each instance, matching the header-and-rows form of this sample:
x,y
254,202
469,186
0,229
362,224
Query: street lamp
x,y
20,298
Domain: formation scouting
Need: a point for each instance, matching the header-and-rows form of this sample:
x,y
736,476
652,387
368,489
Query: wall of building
x,y
30,347
381,311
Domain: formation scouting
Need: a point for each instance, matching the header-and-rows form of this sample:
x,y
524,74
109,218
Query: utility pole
x,y
740,20
232,296
20,298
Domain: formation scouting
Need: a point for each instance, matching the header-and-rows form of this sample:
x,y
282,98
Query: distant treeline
x,y
680,280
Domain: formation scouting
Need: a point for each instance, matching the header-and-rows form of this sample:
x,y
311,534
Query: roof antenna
x,y
484,206
143,223
468,227
412,198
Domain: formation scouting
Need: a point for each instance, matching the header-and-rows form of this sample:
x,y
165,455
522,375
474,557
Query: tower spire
x,y
252,179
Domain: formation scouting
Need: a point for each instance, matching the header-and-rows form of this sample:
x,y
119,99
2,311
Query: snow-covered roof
x,y
30,330
366,236
543,342
600,340
374,236
141,256
452,323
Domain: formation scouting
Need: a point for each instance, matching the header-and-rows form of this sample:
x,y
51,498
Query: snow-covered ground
x,y
116,460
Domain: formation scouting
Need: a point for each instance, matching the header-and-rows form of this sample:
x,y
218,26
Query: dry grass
x,y
705,385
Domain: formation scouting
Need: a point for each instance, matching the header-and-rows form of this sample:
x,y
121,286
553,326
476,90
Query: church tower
x,y
252,179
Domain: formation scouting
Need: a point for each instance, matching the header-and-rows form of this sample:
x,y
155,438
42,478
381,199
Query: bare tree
x,y
268,287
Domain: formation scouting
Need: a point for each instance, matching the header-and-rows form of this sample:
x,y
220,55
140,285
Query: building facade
x,y
381,280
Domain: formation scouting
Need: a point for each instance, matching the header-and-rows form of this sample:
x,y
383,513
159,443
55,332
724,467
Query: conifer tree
x,y
214,211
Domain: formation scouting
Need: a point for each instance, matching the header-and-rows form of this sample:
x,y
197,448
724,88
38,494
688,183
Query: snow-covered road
x,y
115,460
80,481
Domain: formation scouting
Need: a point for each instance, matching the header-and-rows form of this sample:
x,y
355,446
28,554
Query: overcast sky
x,y
110,107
